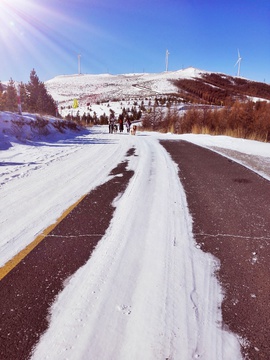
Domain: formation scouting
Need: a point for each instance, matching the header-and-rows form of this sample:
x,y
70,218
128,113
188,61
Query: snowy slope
x,y
96,93
92,88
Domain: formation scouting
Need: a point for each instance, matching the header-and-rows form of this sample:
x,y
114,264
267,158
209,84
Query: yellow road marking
x,y
4,270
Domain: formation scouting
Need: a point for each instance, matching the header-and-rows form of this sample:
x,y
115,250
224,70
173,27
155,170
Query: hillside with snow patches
x,y
93,92
92,89
64,88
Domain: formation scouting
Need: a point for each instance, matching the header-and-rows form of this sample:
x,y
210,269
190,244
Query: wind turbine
x,y
79,64
167,59
238,62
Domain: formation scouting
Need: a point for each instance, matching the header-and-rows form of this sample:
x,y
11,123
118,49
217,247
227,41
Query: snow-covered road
x,y
147,292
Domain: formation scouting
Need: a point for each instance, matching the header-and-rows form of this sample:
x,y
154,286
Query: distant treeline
x,y
242,119
133,113
34,97
91,118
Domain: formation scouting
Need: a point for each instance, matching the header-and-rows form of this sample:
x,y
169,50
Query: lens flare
x,y
48,35
30,31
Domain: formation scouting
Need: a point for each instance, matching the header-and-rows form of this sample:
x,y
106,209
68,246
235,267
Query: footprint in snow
x,y
125,309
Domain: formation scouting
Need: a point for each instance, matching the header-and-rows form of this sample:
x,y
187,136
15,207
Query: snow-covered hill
x,y
105,86
92,89
93,92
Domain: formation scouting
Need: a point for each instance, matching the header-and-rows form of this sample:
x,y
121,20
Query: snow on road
x,y
39,182
147,292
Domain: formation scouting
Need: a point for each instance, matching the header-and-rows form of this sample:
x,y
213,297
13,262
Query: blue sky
x,y
116,36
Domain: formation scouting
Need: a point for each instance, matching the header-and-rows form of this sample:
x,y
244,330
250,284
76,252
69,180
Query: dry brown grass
x,y
236,133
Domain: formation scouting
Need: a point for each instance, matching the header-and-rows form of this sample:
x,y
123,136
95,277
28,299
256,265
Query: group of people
x,y
113,126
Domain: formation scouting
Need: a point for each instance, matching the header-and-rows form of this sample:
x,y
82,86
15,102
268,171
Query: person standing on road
x,y
121,125
128,123
111,126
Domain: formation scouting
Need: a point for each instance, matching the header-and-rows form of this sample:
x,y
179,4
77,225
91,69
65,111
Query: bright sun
x,y
11,15
34,31
23,27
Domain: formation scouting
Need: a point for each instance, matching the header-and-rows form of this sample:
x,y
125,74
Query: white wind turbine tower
x,y
238,62
167,59
79,64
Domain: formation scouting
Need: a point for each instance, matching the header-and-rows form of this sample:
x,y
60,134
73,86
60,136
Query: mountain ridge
x,y
191,84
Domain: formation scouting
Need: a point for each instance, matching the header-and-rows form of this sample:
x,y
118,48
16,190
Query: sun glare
x,y
41,34
31,29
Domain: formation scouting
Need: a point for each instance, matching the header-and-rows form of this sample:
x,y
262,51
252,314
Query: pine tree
x,y
11,97
23,96
32,92
38,99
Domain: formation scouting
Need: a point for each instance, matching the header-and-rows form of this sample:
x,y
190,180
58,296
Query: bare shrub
x,y
40,126
242,119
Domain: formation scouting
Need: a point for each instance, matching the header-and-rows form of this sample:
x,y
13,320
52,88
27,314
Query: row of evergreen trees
x,y
34,97
127,115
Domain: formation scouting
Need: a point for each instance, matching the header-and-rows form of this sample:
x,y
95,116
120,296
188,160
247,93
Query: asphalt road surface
x,y
230,206
28,291
231,220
